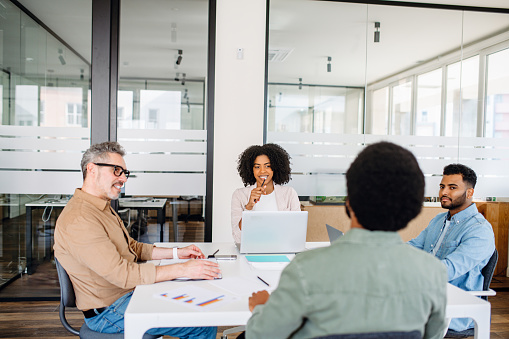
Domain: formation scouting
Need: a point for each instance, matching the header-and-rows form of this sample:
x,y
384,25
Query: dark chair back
x,y
376,335
488,270
67,297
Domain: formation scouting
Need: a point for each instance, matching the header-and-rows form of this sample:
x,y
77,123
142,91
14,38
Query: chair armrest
x,y
488,293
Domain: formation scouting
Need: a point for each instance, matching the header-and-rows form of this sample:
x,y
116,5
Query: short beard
x,y
456,203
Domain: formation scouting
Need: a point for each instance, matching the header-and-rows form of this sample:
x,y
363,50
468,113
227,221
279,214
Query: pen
x,y
263,281
261,186
213,255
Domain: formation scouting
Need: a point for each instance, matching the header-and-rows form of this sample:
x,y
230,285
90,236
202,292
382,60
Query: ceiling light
x,y
61,57
300,83
329,67
179,58
183,79
377,31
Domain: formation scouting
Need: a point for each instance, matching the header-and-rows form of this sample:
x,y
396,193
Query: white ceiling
x,y
314,29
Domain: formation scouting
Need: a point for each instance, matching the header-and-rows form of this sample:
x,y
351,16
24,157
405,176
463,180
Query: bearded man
x,y
461,238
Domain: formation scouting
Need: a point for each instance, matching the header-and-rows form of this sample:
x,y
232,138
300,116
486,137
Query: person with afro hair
x,y
263,169
369,280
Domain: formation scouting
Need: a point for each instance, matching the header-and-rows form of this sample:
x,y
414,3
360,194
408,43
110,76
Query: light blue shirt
x,y
466,248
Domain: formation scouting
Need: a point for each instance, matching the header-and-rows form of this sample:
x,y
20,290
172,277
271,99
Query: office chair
x,y
487,273
68,299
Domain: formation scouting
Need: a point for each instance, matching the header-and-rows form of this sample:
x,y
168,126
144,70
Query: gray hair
x,y
99,153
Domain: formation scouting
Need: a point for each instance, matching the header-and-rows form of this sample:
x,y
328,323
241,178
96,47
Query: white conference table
x,y
145,311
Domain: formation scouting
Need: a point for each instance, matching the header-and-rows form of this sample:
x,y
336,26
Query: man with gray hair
x,y
103,261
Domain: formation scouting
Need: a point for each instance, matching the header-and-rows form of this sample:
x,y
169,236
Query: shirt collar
x,y
467,213
359,235
101,204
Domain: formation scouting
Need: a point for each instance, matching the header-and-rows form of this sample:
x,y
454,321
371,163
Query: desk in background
x,y
136,203
145,311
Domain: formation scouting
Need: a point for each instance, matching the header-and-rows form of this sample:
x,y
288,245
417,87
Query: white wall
x,y
239,99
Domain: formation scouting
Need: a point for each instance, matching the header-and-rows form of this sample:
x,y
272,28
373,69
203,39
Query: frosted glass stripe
x,y
311,185
164,146
166,162
487,142
280,137
164,184
40,160
486,153
58,132
406,141
161,134
321,164
321,149
328,156
434,152
44,144
37,182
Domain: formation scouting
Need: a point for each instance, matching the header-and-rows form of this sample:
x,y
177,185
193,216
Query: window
x,y
429,91
401,114
73,114
497,95
461,105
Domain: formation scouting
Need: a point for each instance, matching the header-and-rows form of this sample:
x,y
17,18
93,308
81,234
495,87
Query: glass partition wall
x,y
44,128
161,114
432,80
45,122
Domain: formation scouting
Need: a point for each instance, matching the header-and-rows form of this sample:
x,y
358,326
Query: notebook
x,y
334,233
273,232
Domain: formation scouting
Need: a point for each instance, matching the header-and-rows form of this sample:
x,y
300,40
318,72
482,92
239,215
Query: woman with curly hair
x,y
263,170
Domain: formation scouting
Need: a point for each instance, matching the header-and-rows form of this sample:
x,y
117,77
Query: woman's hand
x,y
256,193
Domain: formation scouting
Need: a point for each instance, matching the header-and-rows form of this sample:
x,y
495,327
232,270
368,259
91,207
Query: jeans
x,y
111,320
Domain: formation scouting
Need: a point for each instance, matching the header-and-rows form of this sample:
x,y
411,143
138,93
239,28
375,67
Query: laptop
x,y
334,233
273,232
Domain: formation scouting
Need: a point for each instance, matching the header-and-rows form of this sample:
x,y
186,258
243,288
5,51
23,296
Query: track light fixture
x,y
329,67
377,31
183,79
300,83
61,57
179,58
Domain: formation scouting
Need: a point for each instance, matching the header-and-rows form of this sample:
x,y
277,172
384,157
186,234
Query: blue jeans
x,y
111,320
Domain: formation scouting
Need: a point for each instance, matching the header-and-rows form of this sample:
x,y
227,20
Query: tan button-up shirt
x,y
93,246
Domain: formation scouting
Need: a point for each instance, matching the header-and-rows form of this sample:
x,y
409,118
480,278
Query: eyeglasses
x,y
117,170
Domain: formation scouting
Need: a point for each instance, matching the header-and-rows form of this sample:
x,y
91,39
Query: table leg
x,y
161,216
175,219
28,241
47,239
482,325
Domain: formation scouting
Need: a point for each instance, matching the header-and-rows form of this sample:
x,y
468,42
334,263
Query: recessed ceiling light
x,y
29,59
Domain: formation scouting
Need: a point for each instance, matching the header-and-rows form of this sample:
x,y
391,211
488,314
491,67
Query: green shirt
x,y
367,281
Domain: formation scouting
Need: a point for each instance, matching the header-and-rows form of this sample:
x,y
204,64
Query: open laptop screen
x,y
273,231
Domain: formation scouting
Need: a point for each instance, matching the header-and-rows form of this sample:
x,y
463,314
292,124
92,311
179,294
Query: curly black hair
x,y
385,187
279,162
468,174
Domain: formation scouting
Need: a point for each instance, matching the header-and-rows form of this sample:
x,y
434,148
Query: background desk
x,y
143,203
145,311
